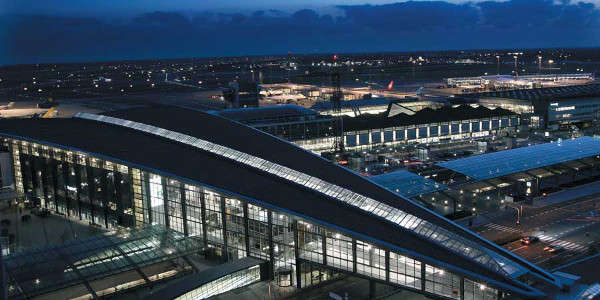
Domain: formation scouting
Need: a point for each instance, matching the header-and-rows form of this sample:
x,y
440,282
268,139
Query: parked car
x,y
530,239
554,249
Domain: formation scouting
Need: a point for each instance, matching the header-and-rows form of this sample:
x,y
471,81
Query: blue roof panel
x,y
407,184
492,165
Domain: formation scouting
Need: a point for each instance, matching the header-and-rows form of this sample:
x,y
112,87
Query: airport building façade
x,y
244,193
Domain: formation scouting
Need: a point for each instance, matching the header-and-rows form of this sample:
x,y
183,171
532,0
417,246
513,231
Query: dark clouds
x,y
412,15
403,26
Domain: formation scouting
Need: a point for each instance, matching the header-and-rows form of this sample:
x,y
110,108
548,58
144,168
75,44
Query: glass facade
x,y
376,137
495,124
405,271
485,125
441,282
444,129
465,127
400,135
111,194
363,139
350,140
315,134
411,133
388,136
72,184
454,128
433,131
476,291
423,132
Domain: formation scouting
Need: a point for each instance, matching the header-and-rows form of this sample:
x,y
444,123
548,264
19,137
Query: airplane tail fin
x,y
390,85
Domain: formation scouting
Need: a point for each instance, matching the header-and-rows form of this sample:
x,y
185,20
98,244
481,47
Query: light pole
x,y
516,66
519,213
498,64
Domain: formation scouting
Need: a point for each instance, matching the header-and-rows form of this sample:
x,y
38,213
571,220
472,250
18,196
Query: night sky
x,y
93,30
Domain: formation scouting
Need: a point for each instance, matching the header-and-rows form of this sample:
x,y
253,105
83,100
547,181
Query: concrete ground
x,y
564,196
570,224
41,231
348,287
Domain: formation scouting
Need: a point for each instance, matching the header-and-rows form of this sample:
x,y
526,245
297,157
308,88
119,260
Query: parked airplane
x,y
8,106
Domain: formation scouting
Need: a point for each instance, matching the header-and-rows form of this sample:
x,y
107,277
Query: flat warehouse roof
x,y
407,184
491,165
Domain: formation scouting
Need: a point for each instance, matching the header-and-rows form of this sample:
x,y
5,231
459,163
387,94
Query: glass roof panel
x,y
492,165
37,271
407,184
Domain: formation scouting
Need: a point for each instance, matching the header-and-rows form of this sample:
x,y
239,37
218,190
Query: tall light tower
x,y
516,66
539,64
498,64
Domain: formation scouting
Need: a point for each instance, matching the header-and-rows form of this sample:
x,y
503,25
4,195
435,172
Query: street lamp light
x,y
519,213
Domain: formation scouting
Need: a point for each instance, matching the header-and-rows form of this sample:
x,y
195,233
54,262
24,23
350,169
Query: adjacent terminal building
x,y
314,132
547,107
240,192
522,82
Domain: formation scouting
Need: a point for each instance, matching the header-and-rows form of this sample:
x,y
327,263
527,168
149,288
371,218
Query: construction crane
x,y
336,106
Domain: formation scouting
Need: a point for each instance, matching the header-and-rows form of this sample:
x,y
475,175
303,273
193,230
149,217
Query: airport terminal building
x,y
240,192
314,132
550,107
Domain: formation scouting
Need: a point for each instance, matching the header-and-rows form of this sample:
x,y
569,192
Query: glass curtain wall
x,y
72,184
